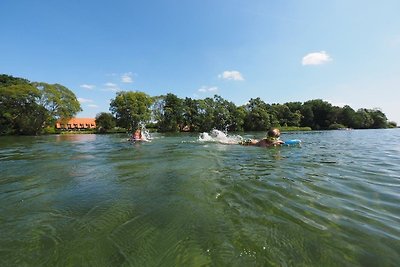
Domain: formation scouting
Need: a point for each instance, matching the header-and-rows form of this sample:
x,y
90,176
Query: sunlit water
x,y
180,200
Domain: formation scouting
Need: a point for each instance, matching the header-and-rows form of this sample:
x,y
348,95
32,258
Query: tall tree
x,y
172,118
347,116
258,118
131,108
206,114
7,80
19,111
105,121
60,102
191,117
321,111
379,119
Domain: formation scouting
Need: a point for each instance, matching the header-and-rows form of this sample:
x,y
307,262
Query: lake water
x,y
99,200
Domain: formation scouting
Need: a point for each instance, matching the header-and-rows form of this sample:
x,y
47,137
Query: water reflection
x,y
76,137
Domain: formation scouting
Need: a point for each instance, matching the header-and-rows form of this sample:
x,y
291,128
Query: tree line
x,y
30,108
169,113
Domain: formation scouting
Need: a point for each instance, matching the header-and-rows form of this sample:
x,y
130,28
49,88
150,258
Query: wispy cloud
x,y
87,86
206,89
84,100
110,87
231,75
316,58
127,77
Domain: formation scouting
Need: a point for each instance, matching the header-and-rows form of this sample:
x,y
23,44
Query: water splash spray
x,y
145,133
219,137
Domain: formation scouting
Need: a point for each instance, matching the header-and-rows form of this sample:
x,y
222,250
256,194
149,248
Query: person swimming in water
x,y
137,135
272,139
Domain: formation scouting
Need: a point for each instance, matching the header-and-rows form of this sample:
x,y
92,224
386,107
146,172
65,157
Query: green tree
x,y
363,119
224,112
7,80
105,121
258,118
319,117
191,116
131,108
206,114
379,119
307,116
26,108
60,102
392,124
172,118
239,116
347,117
19,111
295,116
283,114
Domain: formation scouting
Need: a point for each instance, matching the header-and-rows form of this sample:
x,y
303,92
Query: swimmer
x,y
272,139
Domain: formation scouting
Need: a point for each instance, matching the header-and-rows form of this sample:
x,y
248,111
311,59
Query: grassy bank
x,y
293,128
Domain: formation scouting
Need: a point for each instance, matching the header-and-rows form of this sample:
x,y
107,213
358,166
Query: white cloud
x,y
316,58
205,89
231,75
110,87
87,86
127,77
84,100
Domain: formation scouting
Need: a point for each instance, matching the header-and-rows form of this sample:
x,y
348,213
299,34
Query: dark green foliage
x,y
7,80
257,116
392,124
191,116
347,117
105,122
28,108
58,100
336,126
20,113
172,114
320,114
131,109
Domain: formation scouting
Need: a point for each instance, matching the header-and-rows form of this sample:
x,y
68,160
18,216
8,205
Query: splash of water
x,y
219,137
146,136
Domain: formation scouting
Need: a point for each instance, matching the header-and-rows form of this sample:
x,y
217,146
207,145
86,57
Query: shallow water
x,y
98,200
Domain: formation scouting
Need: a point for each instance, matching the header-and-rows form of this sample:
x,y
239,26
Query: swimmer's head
x,y
274,132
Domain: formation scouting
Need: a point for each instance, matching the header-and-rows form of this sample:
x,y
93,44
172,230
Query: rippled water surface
x,y
98,200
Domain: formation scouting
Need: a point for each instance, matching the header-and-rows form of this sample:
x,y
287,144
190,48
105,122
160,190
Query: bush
x,y
49,130
392,124
336,126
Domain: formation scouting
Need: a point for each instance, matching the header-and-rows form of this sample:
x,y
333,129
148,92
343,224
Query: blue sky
x,y
345,52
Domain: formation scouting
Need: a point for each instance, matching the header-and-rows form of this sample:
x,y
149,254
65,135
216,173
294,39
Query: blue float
x,y
292,142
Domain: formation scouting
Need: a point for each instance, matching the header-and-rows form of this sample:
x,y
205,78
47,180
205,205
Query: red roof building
x,y
77,124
